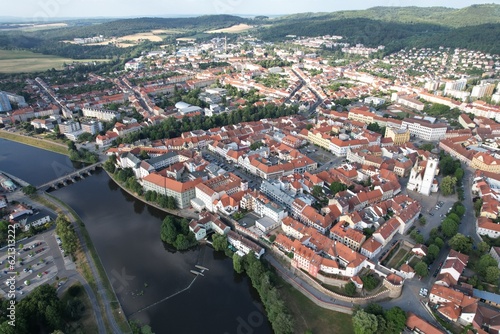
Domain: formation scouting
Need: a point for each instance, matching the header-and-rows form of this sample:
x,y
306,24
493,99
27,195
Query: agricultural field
x,y
16,61
232,30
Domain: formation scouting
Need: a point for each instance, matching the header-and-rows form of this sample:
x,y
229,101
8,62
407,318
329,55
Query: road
x,y
468,225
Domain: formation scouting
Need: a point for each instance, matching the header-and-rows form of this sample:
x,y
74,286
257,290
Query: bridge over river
x,y
72,176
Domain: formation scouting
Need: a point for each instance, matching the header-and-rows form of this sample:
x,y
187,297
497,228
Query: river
x,y
142,271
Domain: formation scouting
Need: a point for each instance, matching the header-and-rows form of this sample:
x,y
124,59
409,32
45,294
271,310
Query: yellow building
x,y
319,138
484,161
398,136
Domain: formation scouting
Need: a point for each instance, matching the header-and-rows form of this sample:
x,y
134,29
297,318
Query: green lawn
x,y
46,145
309,316
17,61
396,258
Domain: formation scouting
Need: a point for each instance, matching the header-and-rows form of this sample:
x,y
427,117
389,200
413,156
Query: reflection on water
x,y
139,266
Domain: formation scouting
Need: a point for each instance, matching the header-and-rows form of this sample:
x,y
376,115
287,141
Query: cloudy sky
x,y
121,8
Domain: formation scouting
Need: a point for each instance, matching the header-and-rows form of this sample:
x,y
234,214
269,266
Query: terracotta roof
x,y
414,322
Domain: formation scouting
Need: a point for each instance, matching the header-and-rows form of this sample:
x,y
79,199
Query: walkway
x,y
317,297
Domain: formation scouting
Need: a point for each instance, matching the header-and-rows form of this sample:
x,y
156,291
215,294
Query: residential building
x,y
101,114
244,245
4,103
424,129
183,192
398,136
418,325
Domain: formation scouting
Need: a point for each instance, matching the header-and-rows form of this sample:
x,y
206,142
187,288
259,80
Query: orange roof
x,y
414,322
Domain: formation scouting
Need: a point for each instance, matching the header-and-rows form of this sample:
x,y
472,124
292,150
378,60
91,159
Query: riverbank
x,y
35,142
94,272
185,213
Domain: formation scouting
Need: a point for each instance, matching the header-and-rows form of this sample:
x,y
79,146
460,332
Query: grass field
x,y
46,145
17,61
309,316
396,258
232,30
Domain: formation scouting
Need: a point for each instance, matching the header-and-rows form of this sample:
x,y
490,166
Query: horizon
x,y
78,9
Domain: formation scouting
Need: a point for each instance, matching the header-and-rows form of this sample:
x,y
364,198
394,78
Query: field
x,y
156,35
397,258
309,316
232,30
43,144
16,61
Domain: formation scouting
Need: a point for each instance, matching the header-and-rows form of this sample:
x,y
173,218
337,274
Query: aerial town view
x,y
250,167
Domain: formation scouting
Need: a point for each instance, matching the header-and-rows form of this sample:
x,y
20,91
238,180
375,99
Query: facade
x,y
424,130
4,103
101,114
398,136
182,192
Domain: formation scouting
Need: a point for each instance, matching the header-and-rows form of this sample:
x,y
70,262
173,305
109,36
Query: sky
x,y
51,9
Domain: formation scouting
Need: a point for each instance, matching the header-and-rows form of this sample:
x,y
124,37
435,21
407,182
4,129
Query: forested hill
x,y
448,17
49,41
475,27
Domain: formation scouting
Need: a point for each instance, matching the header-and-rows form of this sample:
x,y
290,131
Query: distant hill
x,y
125,27
474,27
448,17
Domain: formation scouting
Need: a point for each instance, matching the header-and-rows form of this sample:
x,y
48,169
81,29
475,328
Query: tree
x,y
395,319
433,251
422,220
317,191
448,185
478,204
369,282
168,232
459,174
237,263
483,247
29,190
350,289
492,274
484,262
460,243
427,147
421,269
219,242
458,208
364,323
375,309
455,217
439,242
336,187
449,227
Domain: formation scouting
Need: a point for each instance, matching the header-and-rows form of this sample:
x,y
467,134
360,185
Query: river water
x,y
146,276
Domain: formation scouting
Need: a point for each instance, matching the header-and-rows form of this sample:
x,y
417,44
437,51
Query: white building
x,y
423,181
424,130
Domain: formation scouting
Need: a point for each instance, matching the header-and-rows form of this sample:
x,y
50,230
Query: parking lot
x,y
253,181
36,263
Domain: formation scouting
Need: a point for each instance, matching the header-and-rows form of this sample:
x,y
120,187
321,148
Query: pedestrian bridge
x,y
71,177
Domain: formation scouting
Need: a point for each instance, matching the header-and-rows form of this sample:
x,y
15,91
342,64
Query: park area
x,y
17,61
